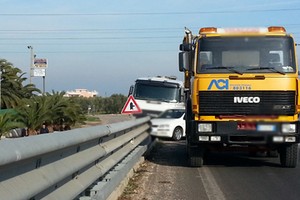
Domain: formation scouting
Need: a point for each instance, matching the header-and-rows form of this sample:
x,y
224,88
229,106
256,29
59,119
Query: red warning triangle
x,y
131,107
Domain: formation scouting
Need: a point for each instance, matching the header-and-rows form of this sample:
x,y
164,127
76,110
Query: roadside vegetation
x,y
24,106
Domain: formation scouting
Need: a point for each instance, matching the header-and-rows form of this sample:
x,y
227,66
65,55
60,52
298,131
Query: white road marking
x,y
211,187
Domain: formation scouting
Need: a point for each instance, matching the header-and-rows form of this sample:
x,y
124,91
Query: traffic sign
x,y
131,107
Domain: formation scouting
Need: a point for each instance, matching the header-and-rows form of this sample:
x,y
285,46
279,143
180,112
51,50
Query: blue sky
x,y
105,45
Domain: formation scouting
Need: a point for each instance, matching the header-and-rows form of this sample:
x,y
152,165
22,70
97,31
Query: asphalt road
x,y
231,176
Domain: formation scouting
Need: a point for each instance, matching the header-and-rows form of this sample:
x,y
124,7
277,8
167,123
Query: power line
x,y
91,29
90,52
161,29
92,44
95,38
149,13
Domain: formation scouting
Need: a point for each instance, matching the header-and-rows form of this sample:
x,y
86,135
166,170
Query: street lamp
x,y
31,62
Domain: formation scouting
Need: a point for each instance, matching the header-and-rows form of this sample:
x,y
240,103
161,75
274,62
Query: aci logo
x,y
221,84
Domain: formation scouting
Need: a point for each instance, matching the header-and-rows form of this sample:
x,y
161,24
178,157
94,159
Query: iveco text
x,y
246,99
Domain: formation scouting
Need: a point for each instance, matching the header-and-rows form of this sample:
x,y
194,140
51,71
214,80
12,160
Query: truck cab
x,y
157,94
242,92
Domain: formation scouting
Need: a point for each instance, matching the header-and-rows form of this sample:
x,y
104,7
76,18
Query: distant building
x,y
81,93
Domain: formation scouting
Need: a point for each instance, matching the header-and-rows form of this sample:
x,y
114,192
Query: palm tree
x,y
29,90
32,110
33,113
56,106
8,122
55,110
64,111
12,89
73,114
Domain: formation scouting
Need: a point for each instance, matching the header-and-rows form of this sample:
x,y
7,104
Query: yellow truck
x,y
242,92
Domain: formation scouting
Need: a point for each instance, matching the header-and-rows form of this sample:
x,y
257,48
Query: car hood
x,y
162,121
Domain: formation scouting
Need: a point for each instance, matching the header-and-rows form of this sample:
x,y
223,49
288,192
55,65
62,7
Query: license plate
x,y
266,127
246,126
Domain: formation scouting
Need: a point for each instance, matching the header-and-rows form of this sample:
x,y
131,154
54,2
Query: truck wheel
x,y
289,156
177,134
196,155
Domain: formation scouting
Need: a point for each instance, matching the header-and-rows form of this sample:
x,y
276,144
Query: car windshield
x,y
246,55
172,114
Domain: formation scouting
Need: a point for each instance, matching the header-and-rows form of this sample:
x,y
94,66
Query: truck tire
x,y
188,121
196,155
289,156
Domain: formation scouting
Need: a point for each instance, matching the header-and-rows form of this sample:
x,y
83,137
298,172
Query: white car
x,y
169,124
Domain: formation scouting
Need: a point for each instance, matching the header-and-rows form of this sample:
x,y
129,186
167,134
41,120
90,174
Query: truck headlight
x,y
278,139
204,127
288,128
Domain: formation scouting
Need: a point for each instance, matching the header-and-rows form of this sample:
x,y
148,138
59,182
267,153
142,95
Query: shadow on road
x,y
173,153
237,159
170,153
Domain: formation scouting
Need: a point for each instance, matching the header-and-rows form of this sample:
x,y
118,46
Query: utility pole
x,y
31,62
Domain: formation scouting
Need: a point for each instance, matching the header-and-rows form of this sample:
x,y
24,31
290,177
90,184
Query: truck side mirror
x,y
130,90
186,47
182,95
184,61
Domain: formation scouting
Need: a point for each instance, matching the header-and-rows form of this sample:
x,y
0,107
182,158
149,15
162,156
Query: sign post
x,y
40,65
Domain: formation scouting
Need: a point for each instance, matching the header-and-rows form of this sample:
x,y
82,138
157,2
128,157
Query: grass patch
x,y
92,119
130,188
133,187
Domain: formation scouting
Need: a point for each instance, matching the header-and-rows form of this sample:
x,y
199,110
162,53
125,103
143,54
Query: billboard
x,y
40,63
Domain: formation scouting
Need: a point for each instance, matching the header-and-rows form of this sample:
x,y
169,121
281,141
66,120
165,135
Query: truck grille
x,y
270,103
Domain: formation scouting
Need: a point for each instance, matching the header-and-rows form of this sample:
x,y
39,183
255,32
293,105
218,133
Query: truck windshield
x,y
263,54
166,92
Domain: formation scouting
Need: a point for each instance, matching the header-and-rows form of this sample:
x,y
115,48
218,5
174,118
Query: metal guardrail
x,y
67,165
